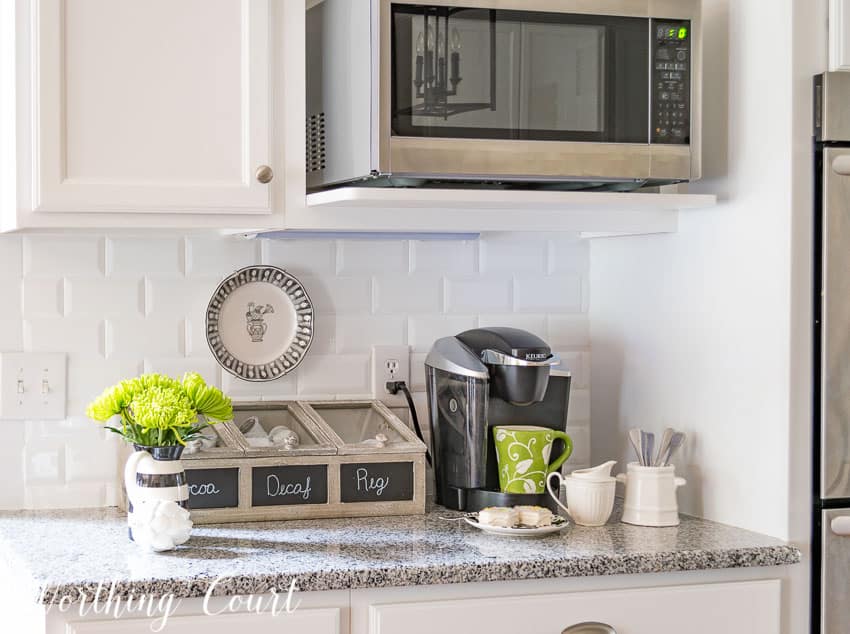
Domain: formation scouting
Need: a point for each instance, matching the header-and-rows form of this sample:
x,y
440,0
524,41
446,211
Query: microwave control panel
x,y
671,82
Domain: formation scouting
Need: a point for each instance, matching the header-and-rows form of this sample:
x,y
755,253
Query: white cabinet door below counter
x,y
154,106
730,608
309,621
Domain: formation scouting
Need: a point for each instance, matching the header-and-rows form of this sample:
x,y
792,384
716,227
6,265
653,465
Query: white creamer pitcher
x,y
651,495
590,494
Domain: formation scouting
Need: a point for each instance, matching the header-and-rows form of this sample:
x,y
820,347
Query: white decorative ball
x,y
160,525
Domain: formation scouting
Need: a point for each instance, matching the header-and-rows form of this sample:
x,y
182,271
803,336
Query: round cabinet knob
x,y
264,174
590,627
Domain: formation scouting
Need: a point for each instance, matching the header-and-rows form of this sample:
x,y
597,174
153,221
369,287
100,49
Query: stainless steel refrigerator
x,y
831,517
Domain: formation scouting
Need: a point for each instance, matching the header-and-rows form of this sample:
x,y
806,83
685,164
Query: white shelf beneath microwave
x,y
454,210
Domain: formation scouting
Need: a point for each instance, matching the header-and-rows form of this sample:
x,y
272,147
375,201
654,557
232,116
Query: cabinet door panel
x,y
316,621
151,106
731,608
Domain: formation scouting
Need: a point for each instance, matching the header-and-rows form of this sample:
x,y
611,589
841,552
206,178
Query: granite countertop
x,y
59,553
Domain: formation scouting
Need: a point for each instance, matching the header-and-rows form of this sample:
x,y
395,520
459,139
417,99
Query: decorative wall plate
x,y
260,323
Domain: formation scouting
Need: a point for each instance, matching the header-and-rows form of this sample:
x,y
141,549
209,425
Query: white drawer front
x,y
730,608
317,621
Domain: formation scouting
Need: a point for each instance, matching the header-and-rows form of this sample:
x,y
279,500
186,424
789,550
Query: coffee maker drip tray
x,y
477,499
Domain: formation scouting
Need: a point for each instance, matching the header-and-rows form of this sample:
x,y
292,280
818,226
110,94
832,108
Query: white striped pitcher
x,y
155,473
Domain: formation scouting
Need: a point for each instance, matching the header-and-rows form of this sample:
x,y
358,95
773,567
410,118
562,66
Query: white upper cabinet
x,y
839,34
151,106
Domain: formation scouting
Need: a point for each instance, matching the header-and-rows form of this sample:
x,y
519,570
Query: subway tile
x,y
509,253
44,462
581,447
417,372
576,364
372,256
131,337
535,324
579,409
64,334
69,496
424,330
64,254
560,293
89,375
358,333
444,256
146,256
103,297
43,296
405,294
301,257
219,257
11,296
239,390
11,256
569,253
335,374
171,297
12,465
91,462
339,294
11,334
479,294
568,331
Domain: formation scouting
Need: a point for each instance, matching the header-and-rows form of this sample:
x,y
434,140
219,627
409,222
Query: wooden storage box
x,y
355,458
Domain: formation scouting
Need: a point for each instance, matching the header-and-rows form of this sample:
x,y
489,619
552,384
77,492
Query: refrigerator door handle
x,y
841,165
841,526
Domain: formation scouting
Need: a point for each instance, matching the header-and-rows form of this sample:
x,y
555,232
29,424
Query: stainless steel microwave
x,y
572,94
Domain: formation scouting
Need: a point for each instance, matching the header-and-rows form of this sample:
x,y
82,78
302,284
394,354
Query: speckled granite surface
x,y
61,553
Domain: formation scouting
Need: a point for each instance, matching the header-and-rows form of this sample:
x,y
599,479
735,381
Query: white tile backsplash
x,y
503,254
42,296
64,254
120,305
404,294
372,256
442,256
146,256
479,293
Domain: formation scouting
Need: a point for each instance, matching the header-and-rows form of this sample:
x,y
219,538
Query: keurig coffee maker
x,y
477,380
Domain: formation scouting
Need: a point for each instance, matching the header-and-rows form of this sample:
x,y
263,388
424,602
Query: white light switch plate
x,y
33,385
390,363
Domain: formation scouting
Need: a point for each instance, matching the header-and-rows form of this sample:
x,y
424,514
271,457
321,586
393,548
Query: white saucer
x,y
558,524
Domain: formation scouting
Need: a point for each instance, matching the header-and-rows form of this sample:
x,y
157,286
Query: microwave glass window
x,y
478,73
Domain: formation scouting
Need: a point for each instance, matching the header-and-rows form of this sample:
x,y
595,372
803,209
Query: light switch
x,y
32,385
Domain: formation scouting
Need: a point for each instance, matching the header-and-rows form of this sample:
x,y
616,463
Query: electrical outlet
x,y
32,386
390,363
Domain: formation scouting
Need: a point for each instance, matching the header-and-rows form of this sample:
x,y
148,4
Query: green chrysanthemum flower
x,y
157,410
160,407
206,399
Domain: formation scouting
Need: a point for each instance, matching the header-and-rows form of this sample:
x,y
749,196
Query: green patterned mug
x,y
523,454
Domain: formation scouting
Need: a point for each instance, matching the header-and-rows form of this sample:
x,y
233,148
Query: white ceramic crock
x,y
651,495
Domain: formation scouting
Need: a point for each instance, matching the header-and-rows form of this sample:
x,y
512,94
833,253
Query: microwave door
x,y
562,81
519,75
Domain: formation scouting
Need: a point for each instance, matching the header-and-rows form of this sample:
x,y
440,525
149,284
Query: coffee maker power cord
x,y
394,387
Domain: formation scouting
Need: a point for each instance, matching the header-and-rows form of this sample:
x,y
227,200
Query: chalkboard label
x,y
376,481
292,484
213,488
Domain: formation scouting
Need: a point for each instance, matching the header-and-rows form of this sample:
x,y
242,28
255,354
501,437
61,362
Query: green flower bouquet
x,y
159,411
